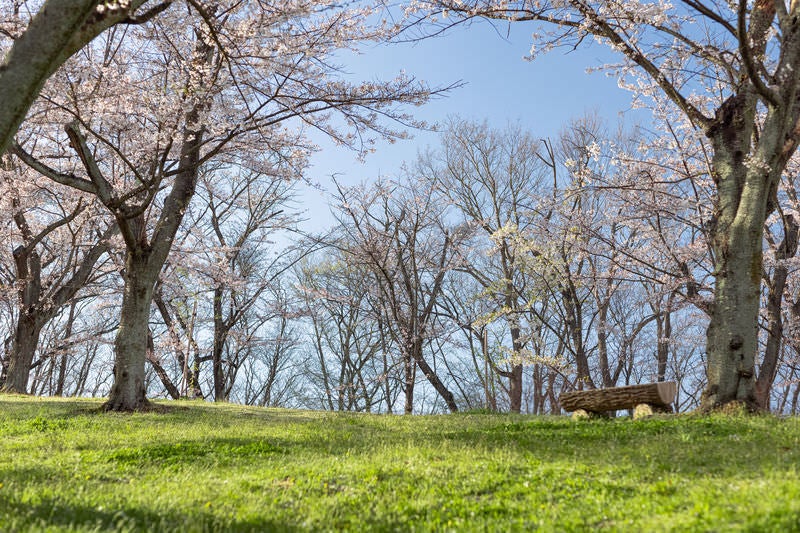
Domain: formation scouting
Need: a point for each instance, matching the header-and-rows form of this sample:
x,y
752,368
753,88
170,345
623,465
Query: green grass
x,y
64,466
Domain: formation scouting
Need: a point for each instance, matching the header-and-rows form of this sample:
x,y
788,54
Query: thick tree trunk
x,y
744,192
28,270
26,340
733,330
128,391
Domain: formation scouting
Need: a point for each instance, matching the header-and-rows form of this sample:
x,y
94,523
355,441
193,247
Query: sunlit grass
x,y
199,467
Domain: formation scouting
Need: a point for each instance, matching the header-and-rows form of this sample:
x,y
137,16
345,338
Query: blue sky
x,y
501,87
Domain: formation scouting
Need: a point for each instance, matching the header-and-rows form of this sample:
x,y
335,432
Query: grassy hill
x,y
201,467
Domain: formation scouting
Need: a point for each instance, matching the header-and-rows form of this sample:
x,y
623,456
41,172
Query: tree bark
x,y
744,192
664,332
220,334
574,324
600,400
26,340
410,377
26,335
602,342
62,365
130,347
515,376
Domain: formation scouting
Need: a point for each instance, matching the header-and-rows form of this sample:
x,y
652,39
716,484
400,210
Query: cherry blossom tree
x,y
242,211
214,82
57,242
733,71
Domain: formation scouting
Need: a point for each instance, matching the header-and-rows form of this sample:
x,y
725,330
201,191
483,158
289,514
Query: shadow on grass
x,y
51,513
28,406
190,452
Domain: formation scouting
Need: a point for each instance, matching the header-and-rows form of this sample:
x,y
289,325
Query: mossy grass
x,y
190,466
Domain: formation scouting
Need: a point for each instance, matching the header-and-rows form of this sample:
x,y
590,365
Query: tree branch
x,y
747,59
70,180
147,15
103,188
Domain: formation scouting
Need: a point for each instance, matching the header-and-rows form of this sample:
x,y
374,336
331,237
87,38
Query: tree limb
x,y
70,180
748,61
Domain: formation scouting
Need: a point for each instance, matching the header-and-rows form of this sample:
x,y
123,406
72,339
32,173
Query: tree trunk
x,y
515,389
664,332
62,364
737,243
433,378
602,342
218,347
26,340
410,375
777,285
28,270
733,330
161,372
128,391
515,376
574,324
769,363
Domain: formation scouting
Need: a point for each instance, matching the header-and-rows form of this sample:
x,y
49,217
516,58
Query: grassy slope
x,y
201,467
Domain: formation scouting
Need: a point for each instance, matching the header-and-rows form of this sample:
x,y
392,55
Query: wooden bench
x,y
643,399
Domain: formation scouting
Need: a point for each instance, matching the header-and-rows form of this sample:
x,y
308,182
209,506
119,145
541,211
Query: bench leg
x,y
645,410
583,414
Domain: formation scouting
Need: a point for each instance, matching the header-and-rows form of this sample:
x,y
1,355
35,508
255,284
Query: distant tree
x,y
274,373
495,179
351,368
240,213
399,234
